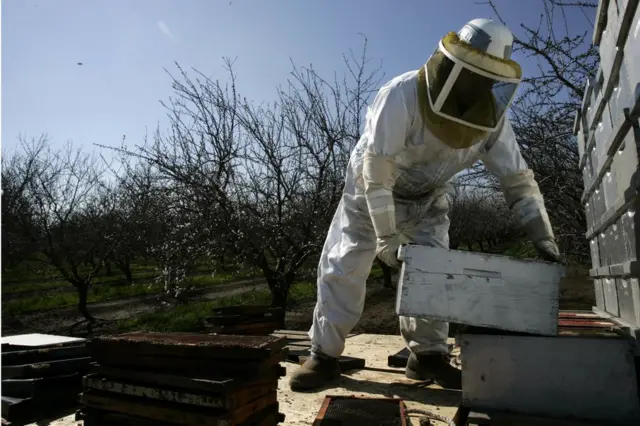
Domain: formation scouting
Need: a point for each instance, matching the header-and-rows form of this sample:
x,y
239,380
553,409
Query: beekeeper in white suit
x,y
423,127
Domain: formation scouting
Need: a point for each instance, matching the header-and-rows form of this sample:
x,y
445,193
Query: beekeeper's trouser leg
x,y
345,264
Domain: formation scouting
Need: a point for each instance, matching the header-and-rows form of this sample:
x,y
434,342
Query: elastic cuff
x,y
319,354
379,170
519,186
431,349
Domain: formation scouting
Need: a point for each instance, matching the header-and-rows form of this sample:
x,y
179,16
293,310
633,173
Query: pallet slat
x,y
195,384
173,413
188,345
227,402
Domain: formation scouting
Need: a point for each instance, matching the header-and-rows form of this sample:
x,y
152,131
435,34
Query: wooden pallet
x,y
299,349
170,412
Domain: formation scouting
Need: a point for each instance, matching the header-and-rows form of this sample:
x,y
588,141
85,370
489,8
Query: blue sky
x,y
125,45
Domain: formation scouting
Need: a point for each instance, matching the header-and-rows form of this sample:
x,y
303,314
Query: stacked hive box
x,y
41,376
254,320
608,141
184,379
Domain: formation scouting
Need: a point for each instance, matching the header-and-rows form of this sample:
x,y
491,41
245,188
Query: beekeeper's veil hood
x,y
470,82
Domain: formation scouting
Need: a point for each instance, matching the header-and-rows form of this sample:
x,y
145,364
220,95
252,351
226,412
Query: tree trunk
x,y
279,295
386,274
125,267
83,295
128,274
279,288
109,270
221,261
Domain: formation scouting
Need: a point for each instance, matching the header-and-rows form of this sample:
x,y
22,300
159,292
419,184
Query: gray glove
x,y
387,249
548,250
523,196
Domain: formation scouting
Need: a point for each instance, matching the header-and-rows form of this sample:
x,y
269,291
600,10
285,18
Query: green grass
x,y
33,276
100,292
116,280
521,249
32,286
190,317
114,287
31,271
376,271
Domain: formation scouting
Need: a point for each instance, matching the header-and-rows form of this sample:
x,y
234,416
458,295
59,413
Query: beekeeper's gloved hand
x,y
523,196
548,250
539,231
387,249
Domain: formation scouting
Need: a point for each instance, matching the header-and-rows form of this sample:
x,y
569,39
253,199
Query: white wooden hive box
x,y
479,289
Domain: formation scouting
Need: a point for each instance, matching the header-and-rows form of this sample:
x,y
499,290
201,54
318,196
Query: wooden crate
x,y
479,289
173,412
574,376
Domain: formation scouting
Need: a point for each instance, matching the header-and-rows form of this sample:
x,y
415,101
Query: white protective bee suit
x,y
396,184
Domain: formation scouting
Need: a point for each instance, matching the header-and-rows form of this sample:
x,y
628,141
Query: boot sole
x,y
447,384
302,386
415,375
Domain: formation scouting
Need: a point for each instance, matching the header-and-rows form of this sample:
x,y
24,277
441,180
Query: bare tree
x,y
295,161
140,216
261,182
479,218
17,211
67,199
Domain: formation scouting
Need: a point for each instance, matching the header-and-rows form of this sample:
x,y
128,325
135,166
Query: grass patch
x,y
33,276
521,250
190,317
114,280
38,303
32,286
100,292
33,273
376,271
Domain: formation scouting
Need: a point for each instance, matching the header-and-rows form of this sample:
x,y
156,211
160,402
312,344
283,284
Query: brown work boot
x,y
436,367
317,371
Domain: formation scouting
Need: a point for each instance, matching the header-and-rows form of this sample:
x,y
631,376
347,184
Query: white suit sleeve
x,y
504,160
385,132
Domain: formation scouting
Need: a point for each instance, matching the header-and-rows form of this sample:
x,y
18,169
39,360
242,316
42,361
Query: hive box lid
x,y
38,340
